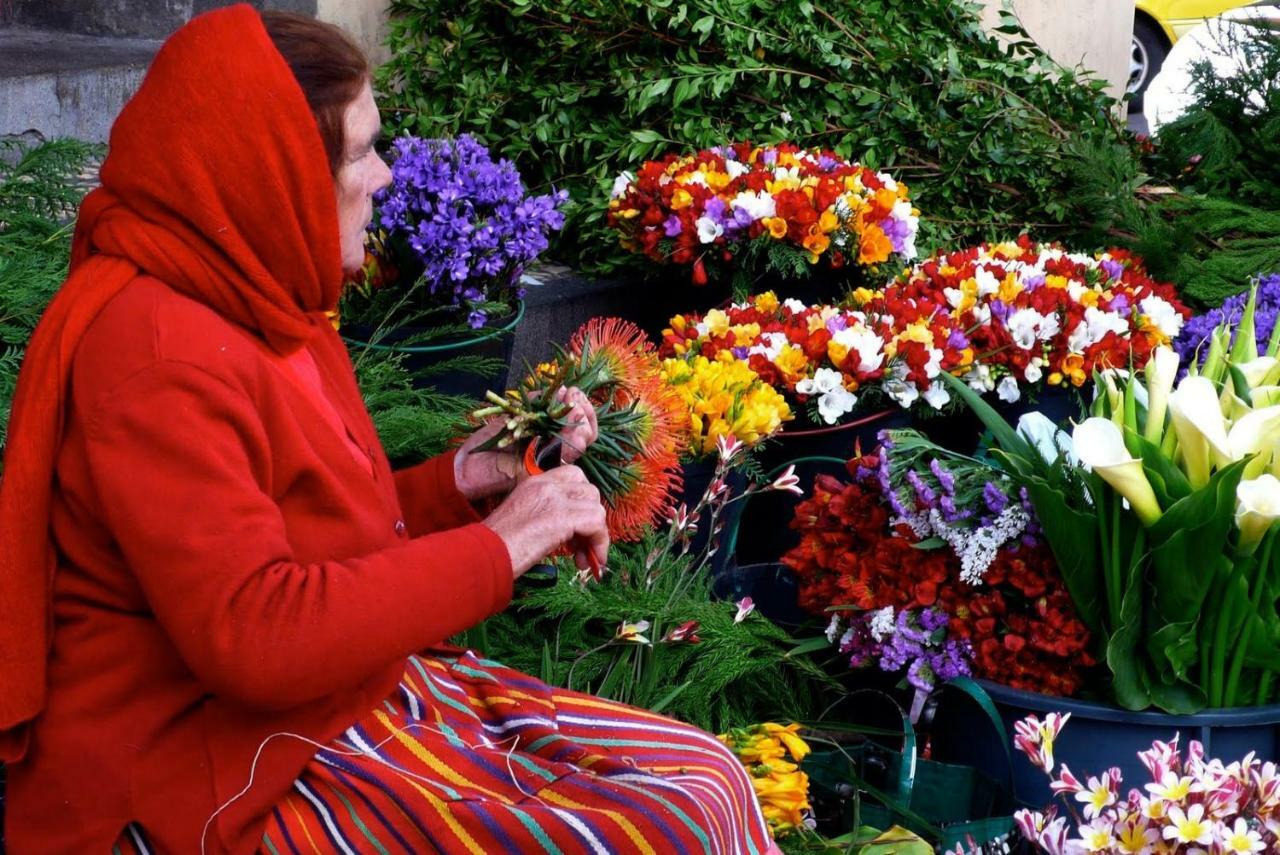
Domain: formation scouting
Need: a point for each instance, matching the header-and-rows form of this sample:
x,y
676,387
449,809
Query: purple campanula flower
x,y
1195,333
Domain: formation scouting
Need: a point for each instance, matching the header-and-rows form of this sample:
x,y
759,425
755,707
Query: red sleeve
x,y
178,458
430,498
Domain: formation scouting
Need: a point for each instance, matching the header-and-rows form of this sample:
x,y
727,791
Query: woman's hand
x,y
546,511
481,474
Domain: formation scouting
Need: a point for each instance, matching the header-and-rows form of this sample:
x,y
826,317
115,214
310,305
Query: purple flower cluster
x,y
1196,331
466,218
914,642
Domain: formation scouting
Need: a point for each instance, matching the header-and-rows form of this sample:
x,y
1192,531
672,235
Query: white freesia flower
x,y
770,345
1197,419
1007,390
1161,371
794,305
1095,325
757,205
865,343
824,380
901,391
1162,314
937,395
1100,446
708,229
835,404
986,281
979,379
1257,508
620,184
1033,372
736,169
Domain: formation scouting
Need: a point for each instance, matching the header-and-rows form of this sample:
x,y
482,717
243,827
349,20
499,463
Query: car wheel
x,y
1149,51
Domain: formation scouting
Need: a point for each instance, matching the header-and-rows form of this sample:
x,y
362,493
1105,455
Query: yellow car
x,y
1157,24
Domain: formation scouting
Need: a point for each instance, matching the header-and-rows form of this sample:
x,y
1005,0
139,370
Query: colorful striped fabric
x,y
471,756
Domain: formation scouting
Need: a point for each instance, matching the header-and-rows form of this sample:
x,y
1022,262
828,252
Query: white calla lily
x,y
1099,445
1161,371
1257,509
1257,371
1265,396
1257,432
1202,431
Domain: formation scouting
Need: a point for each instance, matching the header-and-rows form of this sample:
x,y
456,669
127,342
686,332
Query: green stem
x,y
1237,659
1114,582
1104,534
1226,623
1264,688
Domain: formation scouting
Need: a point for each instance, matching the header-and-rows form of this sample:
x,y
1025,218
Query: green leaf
x,y
1130,683
665,700
1004,433
930,543
1173,483
810,645
1073,537
646,136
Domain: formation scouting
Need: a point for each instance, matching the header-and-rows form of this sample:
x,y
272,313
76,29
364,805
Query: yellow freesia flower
x,y
725,397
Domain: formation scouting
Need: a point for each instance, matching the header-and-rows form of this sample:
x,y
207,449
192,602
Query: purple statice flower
x,y
467,218
950,513
917,645
994,498
924,493
945,479
932,620
910,628
1195,332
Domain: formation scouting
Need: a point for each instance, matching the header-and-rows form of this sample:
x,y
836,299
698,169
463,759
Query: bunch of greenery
x,y
40,187
576,91
736,673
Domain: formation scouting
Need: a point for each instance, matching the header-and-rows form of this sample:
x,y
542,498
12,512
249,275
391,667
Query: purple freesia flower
x,y
672,226
1112,268
467,218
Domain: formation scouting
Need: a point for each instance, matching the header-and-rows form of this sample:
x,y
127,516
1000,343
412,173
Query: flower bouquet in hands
x,y
1161,509
633,462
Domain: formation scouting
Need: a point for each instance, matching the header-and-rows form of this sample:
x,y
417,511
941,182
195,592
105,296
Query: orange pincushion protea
x,y
634,384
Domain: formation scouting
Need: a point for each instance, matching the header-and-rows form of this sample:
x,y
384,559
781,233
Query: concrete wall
x,y
1092,33
365,20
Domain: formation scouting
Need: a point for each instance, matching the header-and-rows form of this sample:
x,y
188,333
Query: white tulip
x,y
1161,371
1100,446
1197,419
1257,509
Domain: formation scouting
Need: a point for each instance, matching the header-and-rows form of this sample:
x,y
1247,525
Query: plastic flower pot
x,y
425,362
1097,737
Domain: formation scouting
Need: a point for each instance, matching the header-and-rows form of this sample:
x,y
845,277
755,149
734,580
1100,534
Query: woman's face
x,y
361,174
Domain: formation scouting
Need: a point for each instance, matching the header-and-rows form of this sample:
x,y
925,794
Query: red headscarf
x,y
216,183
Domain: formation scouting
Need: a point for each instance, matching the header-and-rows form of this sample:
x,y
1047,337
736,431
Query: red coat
x,y
227,571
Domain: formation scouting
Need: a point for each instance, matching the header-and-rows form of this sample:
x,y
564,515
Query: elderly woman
x,y
222,615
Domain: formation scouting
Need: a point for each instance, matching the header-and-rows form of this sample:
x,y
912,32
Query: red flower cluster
x,y
1020,621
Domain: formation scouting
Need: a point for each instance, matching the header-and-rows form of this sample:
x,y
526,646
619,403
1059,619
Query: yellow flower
x,y
681,199
791,361
744,335
717,322
917,331
780,787
767,302
798,747
1056,281
1010,288
725,397
816,244
777,227
828,222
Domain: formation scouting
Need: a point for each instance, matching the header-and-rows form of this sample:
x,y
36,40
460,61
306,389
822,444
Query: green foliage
x,y
413,422
738,674
38,188
576,91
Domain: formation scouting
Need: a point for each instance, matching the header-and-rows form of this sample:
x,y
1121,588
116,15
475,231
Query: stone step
x,y
59,84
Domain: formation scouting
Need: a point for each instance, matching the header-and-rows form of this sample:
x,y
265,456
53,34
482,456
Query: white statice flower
x,y
620,184
846,639
833,628
1033,372
1095,325
1162,314
975,547
736,169
794,305
708,229
881,624
865,343
1007,389
937,395
757,205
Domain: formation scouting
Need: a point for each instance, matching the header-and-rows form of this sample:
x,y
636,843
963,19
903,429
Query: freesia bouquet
x,y
1035,313
773,209
1162,519
826,358
633,462
1192,804
452,236
723,397
772,753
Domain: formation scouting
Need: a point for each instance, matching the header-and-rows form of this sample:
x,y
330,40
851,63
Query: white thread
x,y
365,752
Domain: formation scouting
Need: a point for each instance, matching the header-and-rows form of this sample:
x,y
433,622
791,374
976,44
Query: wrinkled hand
x,y
481,474
547,511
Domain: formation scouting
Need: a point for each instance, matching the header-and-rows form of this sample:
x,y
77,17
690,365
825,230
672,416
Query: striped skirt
x,y
471,756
